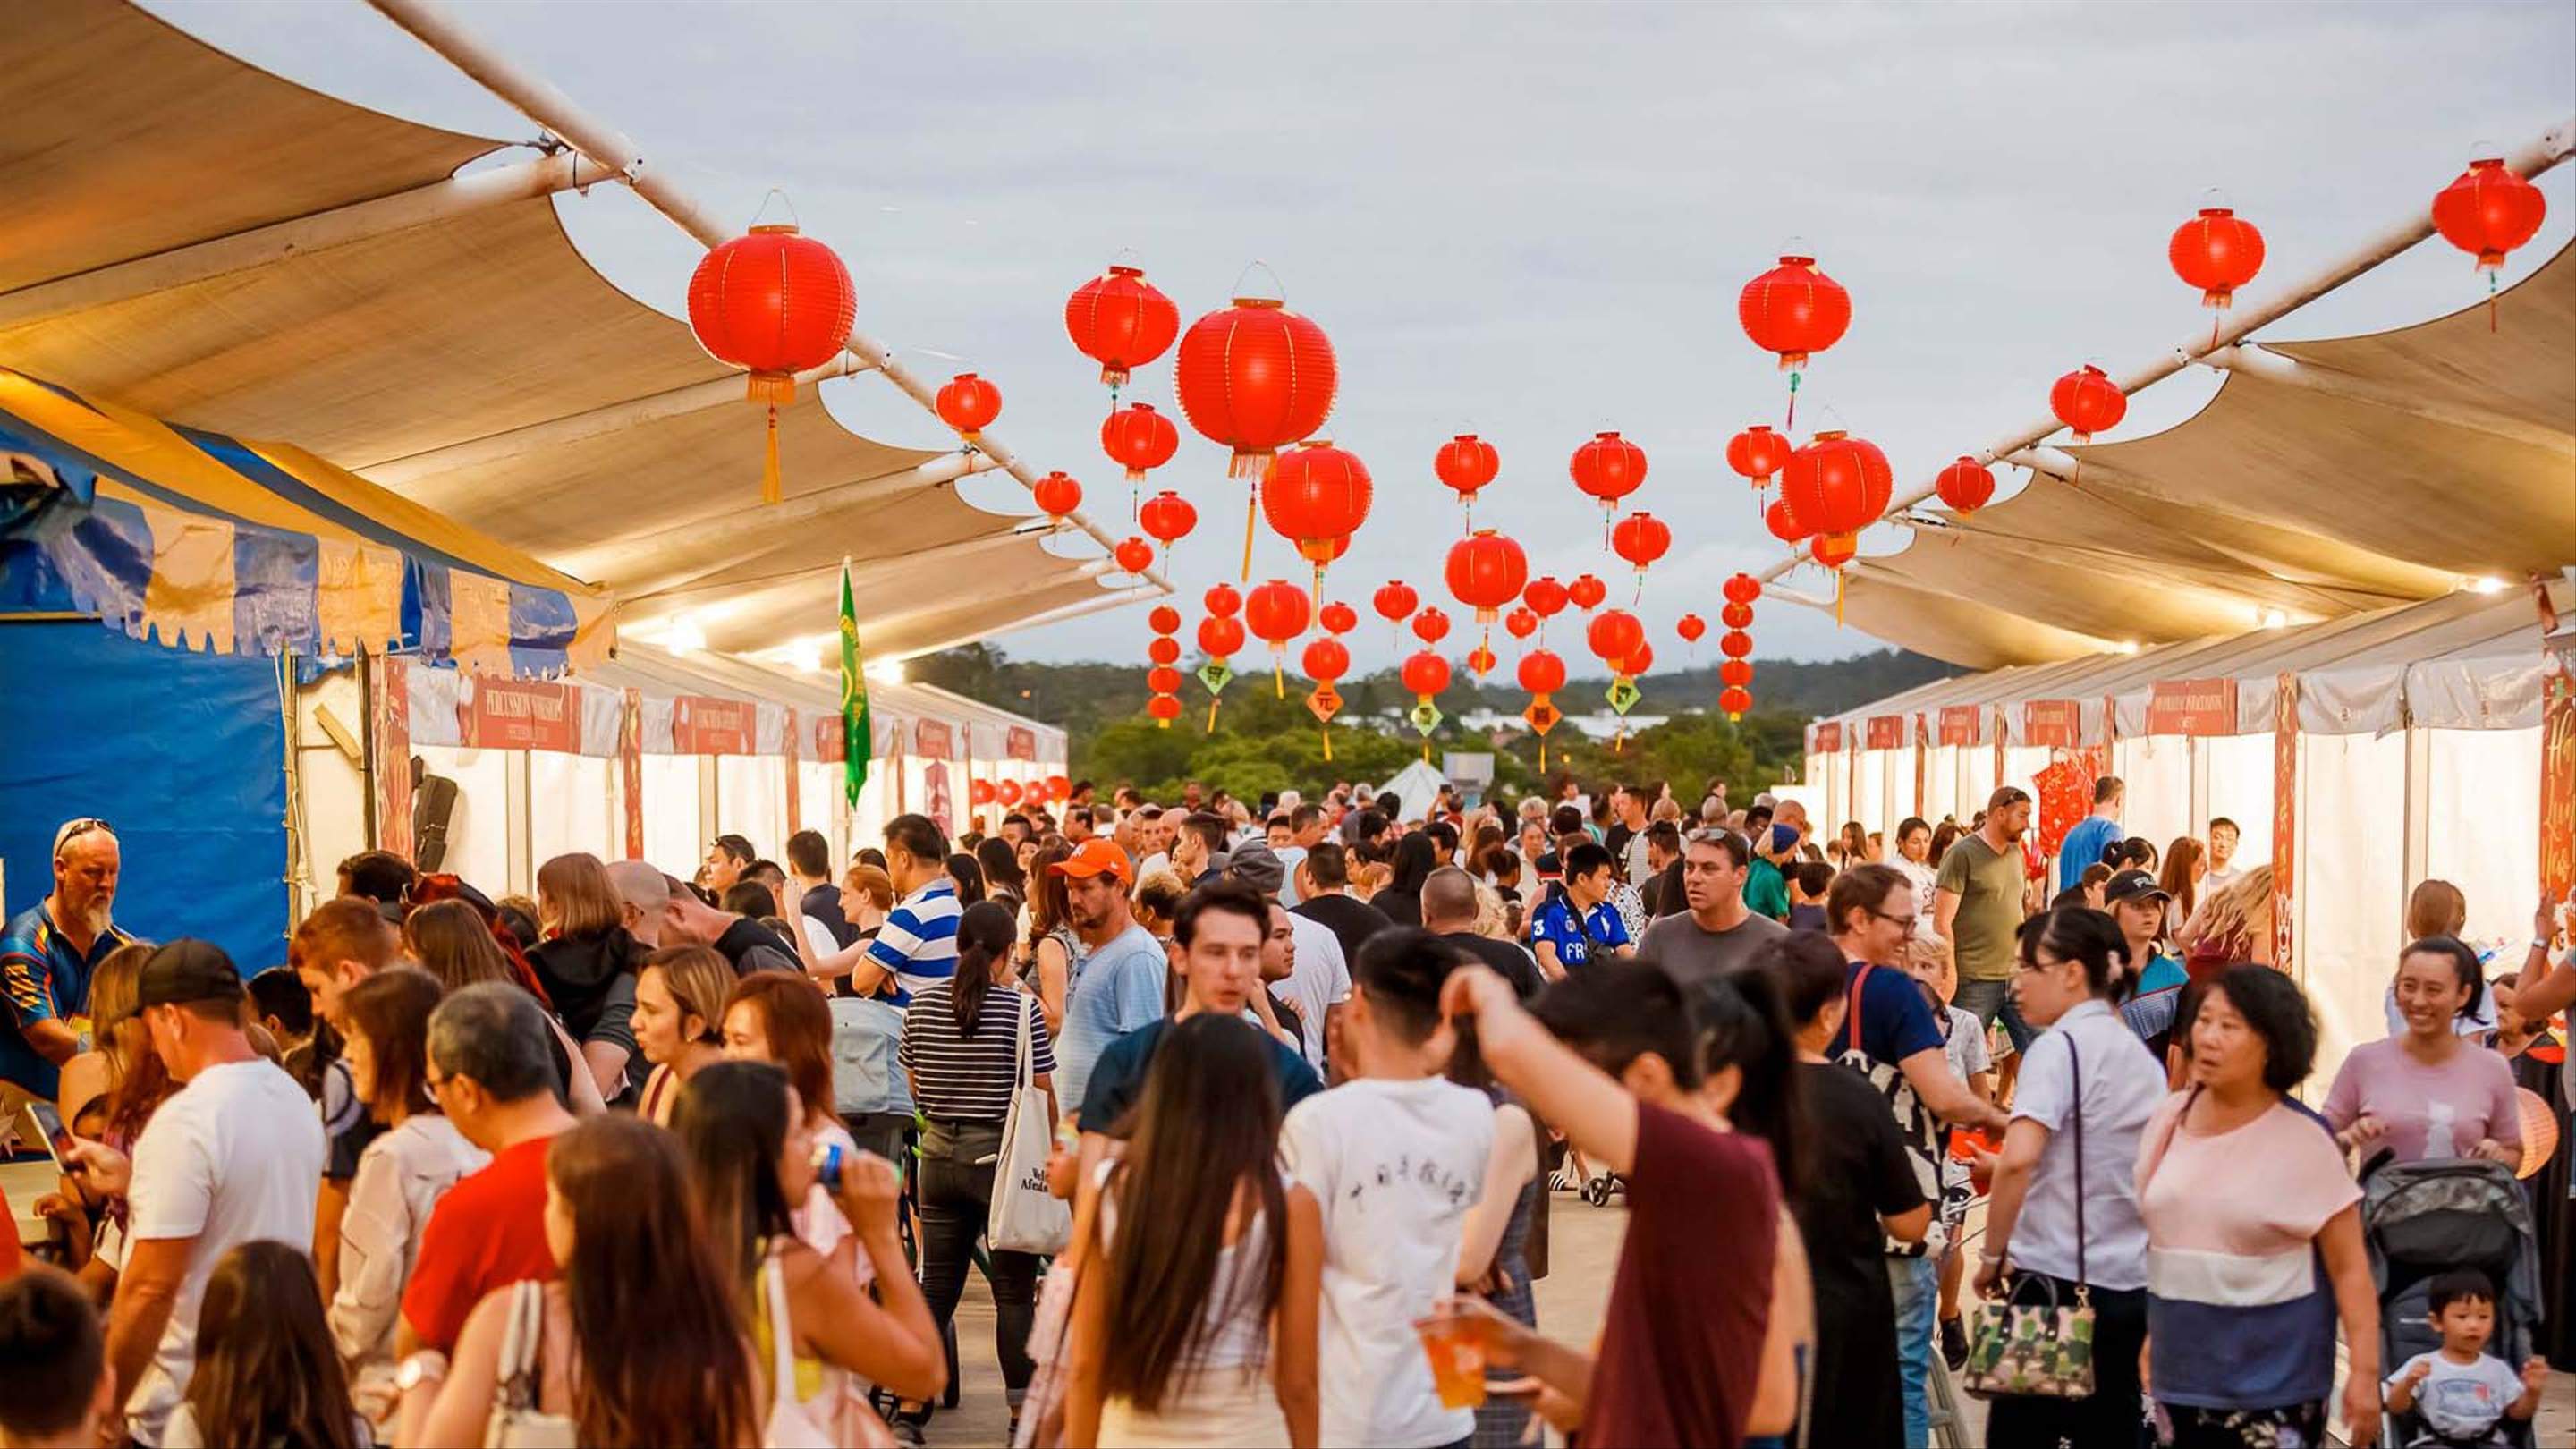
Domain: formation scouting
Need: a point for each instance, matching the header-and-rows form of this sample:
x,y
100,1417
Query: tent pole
x,y
671,547
433,25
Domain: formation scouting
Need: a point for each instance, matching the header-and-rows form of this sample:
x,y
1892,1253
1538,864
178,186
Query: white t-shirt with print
x,y
2463,1400
1395,1166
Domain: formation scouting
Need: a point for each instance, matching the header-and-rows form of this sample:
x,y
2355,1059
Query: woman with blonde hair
x,y
108,1092
116,1033
2234,924
451,941
679,1021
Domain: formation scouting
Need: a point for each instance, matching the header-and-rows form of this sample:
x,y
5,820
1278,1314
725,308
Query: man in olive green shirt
x,y
1977,909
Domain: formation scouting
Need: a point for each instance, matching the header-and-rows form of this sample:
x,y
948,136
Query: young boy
x,y
1810,881
2459,1390
1964,1043
1396,1155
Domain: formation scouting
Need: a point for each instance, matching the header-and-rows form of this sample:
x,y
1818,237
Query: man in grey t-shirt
x,y
1717,934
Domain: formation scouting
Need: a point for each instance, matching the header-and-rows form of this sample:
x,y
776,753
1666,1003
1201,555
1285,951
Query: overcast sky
x,y
1531,222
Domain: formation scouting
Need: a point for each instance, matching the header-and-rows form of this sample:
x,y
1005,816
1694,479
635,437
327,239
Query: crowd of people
x,y
1250,1118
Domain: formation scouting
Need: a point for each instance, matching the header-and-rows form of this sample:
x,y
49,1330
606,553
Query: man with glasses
x,y
1718,933
46,957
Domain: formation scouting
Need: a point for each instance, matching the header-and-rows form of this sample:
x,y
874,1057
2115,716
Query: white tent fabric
x,y
1416,785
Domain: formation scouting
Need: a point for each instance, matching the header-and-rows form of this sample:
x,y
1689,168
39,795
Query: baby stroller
x,y
2422,1219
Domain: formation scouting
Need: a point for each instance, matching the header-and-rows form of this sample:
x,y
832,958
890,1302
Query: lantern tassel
x,y
1211,724
1328,744
1278,677
1792,420
1838,598
1251,510
769,489
2491,299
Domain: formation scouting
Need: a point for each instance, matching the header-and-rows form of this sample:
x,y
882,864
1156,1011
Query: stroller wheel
x,y
1596,1191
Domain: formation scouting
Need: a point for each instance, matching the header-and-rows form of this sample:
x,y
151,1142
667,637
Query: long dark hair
x,y
731,1121
1047,909
1415,859
1177,1184
657,1318
984,932
967,874
1001,865
267,1371
1743,1022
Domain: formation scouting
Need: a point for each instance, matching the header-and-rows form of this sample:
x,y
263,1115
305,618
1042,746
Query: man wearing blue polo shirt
x,y
2088,837
47,955
918,943
1578,925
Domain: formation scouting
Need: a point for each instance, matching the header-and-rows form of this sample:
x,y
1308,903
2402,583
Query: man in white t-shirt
x,y
2223,836
1397,1156
234,1157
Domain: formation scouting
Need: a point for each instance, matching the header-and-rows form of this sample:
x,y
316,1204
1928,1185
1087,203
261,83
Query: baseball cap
x,y
1255,864
1095,857
188,970
2133,885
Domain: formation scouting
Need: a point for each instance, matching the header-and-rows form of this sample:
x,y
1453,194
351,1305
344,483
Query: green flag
x,y
858,741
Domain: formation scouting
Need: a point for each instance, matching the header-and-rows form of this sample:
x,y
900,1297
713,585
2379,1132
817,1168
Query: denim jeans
x,y
1916,1282
1987,1000
956,1192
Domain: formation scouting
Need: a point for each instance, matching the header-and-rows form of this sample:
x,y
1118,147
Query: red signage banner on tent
x,y
1829,738
2285,815
2001,734
389,682
933,740
1021,743
2192,707
1886,731
704,725
1959,724
519,714
2558,769
2053,723
825,743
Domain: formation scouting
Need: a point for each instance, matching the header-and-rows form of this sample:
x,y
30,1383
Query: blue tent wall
x,y
182,753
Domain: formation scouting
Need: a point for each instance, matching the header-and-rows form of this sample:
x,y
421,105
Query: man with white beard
x,y
46,957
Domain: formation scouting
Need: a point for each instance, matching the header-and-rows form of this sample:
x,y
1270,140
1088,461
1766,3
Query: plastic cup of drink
x,y
1457,1354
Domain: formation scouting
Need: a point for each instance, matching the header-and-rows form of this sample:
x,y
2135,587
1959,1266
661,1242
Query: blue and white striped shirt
x,y
918,942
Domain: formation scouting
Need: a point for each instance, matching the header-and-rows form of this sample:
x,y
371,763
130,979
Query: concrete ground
x,y
1584,1243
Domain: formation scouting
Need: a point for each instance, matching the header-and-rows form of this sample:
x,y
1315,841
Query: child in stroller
x,y
2459,1390
2446,1237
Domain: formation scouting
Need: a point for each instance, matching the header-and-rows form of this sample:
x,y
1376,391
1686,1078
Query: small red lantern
x,y
1783,522
2487,212
1837,483
1794,310
1480,661
1425,674
1057,495
1691,627
1966,485
1587,592
1542,674
1735,644
1738,672
1638,661
1641,538
1221,601
1163,679
1466,463
1394,601
969,404
980,792
1833,550
1337,618
1133,555
1138,439
1164,650
2216,251
1545,597
1220,637
1278,612
1520,623
1608,468
1255,377
1167,517
1741,588
2085,400
1736,616
1431,625
1485,572
1164,619
774,303
1165,708
1315,496
1735,700
1059,787
1757,453
1613,635
1121,321
1325,660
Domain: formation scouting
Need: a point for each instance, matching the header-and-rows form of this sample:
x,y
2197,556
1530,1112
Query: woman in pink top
x,y
2429,1093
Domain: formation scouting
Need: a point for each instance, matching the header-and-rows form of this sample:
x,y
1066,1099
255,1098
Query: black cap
x,y
187,971
2133,885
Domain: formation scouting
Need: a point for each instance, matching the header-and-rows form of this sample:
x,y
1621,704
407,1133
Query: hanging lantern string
x,y
1791,422
780,195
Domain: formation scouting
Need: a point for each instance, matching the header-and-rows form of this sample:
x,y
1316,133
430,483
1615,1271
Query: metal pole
x,y
432,25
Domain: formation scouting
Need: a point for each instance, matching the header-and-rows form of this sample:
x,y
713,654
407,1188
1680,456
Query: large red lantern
x,y
1641,538
1167,517
1133,555
1121,321
1337,618
1164,650
1138,439
1277,612
1220,638
1741,588
1542,674
2487,212
1545,597
1587,592
1520,623
1221,601
774,303
1691,627
1735,644
1057,495
1608,468
1164,619
1783,522
1638,661
969,404
1736,616
1315,496
2086,401
1735,700
1466,463
1485,573
1837,483
1757,453
1325,660
1431,625
1255,377
2216,251
1737,672
1965,485
1794,310
1613,635
1425,674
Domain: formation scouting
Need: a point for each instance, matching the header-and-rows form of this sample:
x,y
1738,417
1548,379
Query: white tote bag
x,y
1025,1217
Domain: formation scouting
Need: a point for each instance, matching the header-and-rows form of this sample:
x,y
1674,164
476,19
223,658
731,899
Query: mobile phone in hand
x,y
49,1125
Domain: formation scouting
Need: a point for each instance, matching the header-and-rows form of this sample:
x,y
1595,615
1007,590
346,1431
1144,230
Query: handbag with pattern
x,y
2019,1347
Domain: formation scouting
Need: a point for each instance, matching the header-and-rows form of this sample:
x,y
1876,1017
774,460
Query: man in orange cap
x,y
1117,986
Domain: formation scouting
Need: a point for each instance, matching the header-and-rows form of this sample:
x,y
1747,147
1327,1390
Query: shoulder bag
x,y
1913,1119
2034,1346
1025,1217
516,1422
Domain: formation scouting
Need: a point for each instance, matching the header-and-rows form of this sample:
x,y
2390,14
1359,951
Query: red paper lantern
x,y
1783,522
1164,650
1325,660
1316,496
1164,619
980,792
1641,538
1608,468
1735,644
1737,672
774,303
1542,673
1394,601
1587,592
1741,588
2087,401
2216,251
1277,612
1431,625
1138,439
1794,310
1480,661
1837,483
1337,618
1255,377
1057,495
1121,321
1757,453
1613,635
1833,550
1424,673
1485,572
1466,463
1639,660
2488,211
1966,485
969,404
1167,517
1133,555
1690,627
1736,616
1545,596
1520,623
1735,700
1163,679
1221,600
1164,708
1220,638
1059,787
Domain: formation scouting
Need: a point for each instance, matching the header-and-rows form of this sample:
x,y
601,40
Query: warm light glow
x,y
806,654
886,671
2271,618
686,637
2486,585
2128,646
